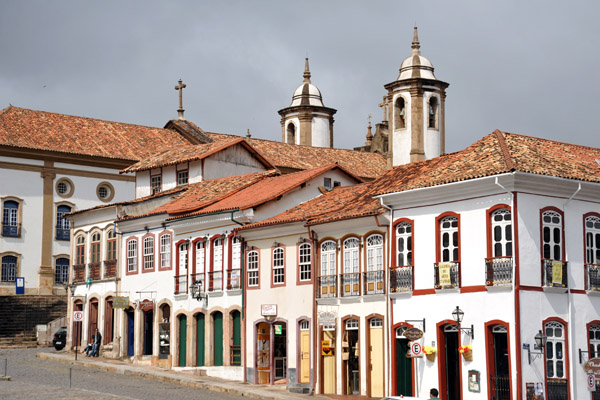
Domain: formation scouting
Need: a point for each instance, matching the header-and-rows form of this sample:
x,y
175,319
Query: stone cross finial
x,y
180,87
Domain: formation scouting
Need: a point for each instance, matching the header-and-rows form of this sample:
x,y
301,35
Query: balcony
x,y
554,274
62,233
558,389
181,284
373,282
79,273
215,281
350,284
110,269
233,279
11,230
94,271
401,279
327,286
446,275
500,388
200,279
592,278
499,271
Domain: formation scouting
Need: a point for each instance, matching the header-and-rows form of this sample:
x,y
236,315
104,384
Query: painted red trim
x,y
488,224
194,266
394,260
143,269
517,294
577,291
137,256
531,288
394,391
160,235
229,266
587,333
247,279
565,349
489,345
473,289
312,263
421,292
273,284
562,244
441,340
212,252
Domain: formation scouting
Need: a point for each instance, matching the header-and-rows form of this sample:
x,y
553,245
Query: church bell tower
x,y
415,105
307,121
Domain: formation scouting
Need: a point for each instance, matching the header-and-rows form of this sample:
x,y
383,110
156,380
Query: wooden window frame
x,y
310,264
283,272
395,241
160,252
490,228
135,257
248,252
152,254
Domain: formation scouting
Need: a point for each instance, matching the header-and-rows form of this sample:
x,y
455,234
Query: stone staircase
x,y
19,316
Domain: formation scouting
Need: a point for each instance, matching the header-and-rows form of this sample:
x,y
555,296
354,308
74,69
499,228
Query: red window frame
x,y
312,263
247,280
273,249
137,256
144,269
490,234
159,261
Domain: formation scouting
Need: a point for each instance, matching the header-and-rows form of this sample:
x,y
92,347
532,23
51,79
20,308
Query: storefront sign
x,y
146,305
120,302
268,310
413,334
327,318
592,366
444,270
557,277
20,285
278,329
326,349
591,383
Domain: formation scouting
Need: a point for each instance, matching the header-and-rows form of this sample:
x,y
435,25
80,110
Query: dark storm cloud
x,y
526,68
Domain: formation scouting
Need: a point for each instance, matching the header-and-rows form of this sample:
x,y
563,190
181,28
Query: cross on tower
x,y
180,87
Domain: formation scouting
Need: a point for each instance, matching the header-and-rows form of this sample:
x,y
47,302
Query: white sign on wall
x,y
268,310
78,315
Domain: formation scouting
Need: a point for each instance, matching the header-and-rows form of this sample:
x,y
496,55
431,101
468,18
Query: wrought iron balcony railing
x,y
11,230
498,271
233,279
79,273
446,275
554,273
181,284
401,279
327,286
499,388
215,281
592,277
350,284
373,282
110,268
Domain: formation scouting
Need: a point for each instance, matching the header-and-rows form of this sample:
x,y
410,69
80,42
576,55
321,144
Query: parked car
x,y
59,341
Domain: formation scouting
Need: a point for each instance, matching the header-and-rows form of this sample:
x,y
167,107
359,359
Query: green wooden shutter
x,y
182,340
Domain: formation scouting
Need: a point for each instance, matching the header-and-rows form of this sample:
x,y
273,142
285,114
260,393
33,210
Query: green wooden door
x,y
182,340
403,369
218,338
200,340
236,351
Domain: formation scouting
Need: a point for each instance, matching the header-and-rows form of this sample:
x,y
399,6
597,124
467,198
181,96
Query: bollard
x,y
70,372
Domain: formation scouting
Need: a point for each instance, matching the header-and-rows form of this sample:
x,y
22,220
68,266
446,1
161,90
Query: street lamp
x,y
72,287
197,291
458,315
540,343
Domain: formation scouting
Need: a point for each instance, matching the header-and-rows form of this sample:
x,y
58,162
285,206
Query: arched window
x,y
10,219
552,230
278,266
9,269
594,337
236,247
555,350
404,251
433,113
351,256
149,253
165,251
400,114
111,245
61,271
217,266
449,239
501,233
253,276
95,248
592,240
62,224
328,258
304,261
80,250
132,255
291,133
375,253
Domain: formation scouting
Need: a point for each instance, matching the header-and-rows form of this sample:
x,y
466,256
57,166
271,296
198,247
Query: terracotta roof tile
x,y
23,128
341,203
496,153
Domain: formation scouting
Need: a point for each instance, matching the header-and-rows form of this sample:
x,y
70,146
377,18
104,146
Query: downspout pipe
x,y
387,295
316,338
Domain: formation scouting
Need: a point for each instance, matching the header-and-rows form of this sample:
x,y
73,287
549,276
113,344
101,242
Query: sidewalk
x,y
188,379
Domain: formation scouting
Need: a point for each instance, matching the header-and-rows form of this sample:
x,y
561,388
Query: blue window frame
x,y
62,224
10,219
61,274
9,269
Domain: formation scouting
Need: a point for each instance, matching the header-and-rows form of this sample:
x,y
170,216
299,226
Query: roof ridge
x,y
510,164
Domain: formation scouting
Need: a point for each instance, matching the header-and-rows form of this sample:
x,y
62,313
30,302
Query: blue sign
x,y
20,284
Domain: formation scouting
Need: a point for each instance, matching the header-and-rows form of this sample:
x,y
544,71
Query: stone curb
x,y
248,389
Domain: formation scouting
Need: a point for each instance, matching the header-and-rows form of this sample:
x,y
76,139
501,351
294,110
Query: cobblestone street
x,y
33,378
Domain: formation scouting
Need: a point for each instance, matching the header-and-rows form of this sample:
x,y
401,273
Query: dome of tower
x,y
307,94
416,66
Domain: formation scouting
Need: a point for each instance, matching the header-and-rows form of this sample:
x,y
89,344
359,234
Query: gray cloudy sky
x,y
525,67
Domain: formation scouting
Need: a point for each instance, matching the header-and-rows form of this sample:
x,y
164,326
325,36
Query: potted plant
x,y
467,352
430,352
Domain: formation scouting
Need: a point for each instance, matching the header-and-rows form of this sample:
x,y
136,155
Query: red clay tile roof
x,y
23,128
496,153
297,157
268,189
341,203
181,154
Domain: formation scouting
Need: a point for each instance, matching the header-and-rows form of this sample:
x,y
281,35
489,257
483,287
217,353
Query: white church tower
x,y
307,121
415,105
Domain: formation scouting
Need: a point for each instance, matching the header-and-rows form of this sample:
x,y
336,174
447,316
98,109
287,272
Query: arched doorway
x,y
498,361
217,320
109,320
449,361
236,335
304,351
279,351
403,365
263,353
328,375
200,337
148,331
164,332
376,351
350,358
77,326
130,331
182,319
92,319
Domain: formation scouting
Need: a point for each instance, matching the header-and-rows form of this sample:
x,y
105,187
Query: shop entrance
x,y
263,353
451,362
376,357
148,331
350,358
499,372
304,375
328,366
404,376
130,331
279,351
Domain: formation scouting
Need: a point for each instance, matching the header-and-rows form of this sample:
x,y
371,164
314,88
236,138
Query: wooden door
x,y
182,340
328,373
200,340
304,355
218,338
376,357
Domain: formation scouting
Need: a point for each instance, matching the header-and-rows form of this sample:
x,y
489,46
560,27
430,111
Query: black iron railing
x,y
401,279
11,230
592,277
373,282
555,273
498,271
327,286
446,275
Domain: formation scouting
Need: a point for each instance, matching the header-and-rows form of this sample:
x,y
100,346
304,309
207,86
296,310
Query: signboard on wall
x,y
268,310
444,270
120,302
592,366
20,285
146,305
327,317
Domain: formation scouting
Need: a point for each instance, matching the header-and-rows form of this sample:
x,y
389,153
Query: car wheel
x,y
59,347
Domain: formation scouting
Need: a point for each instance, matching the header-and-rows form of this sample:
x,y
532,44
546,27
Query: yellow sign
x,y
444,273
326,349
120,302
557,277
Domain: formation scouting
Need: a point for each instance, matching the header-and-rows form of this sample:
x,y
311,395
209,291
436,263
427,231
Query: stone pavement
x,y
184,378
